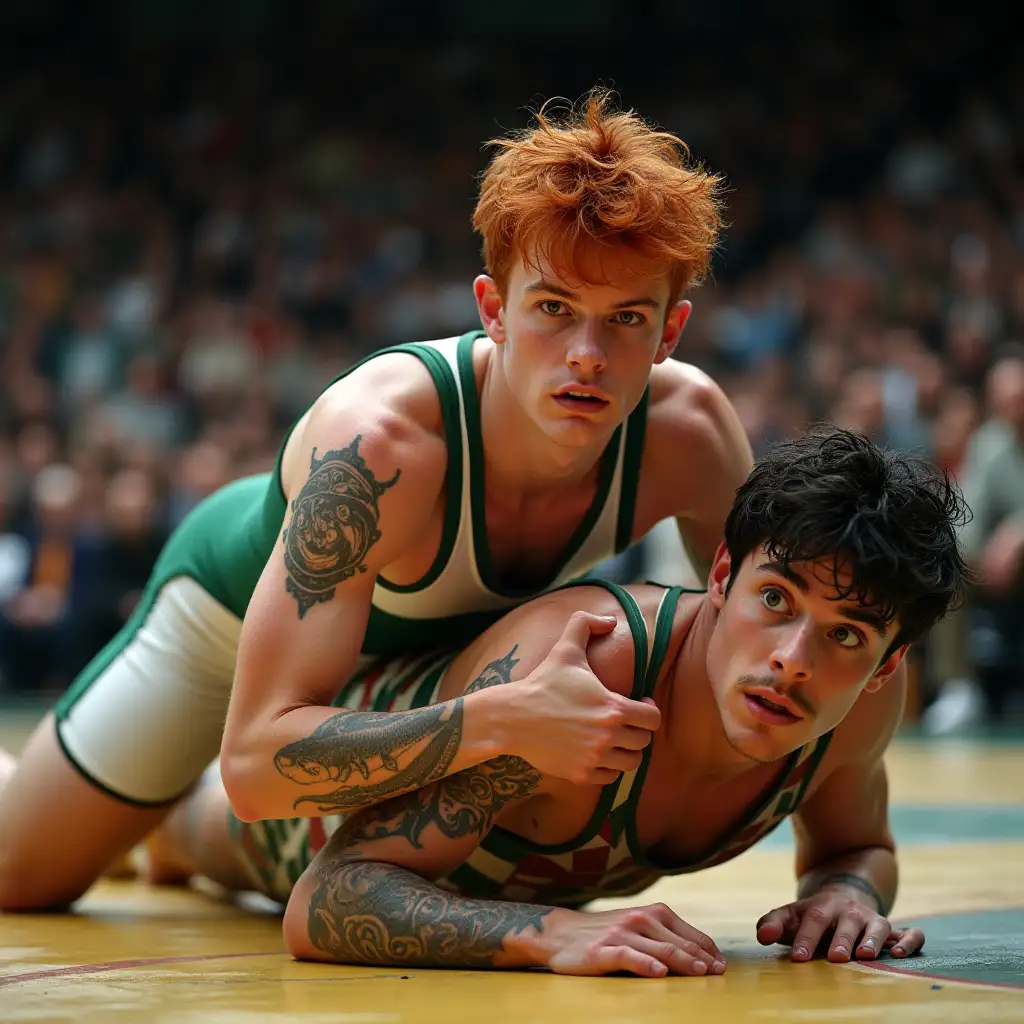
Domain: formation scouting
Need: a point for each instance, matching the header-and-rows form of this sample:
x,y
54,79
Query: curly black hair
x,y
887,520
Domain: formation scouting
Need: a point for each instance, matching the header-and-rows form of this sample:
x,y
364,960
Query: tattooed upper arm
x,y
334,523
362,485
363,480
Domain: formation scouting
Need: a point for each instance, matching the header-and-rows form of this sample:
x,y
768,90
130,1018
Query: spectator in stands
x,y
134,538
994,539
182,270
41,620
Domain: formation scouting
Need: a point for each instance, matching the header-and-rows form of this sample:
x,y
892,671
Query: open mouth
x,y
580,401
769,711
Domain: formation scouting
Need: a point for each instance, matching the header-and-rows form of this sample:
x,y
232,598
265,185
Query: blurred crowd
x,y
191,248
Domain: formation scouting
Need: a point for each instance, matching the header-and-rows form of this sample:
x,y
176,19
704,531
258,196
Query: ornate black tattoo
x,y
496,673
855,882
371,913
462,804
366,912
334,525
368,744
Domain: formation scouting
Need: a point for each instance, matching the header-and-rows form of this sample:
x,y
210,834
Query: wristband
x,y
856,882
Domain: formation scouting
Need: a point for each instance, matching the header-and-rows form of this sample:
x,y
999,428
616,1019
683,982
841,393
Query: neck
x,y
519,458
693,725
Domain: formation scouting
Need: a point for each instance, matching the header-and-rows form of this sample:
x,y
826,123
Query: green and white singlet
x,y
145,717
604,859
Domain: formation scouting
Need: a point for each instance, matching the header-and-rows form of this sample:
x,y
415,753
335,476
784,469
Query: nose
x,y
793,657
585,355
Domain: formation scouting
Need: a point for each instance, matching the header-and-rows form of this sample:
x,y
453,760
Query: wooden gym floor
x,y
180,956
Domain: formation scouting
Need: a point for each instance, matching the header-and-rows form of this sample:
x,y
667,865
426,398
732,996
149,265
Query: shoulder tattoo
x,y
334,525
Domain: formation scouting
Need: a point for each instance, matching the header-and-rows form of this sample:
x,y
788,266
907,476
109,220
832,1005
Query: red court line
x,y
927,976
120,965
891,968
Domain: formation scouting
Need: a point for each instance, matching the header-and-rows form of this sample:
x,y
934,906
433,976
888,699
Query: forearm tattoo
x,y
462,804
372,913
856,882
367,752
372,747
334,525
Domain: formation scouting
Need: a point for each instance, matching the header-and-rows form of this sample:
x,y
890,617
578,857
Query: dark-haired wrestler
x,y
778,698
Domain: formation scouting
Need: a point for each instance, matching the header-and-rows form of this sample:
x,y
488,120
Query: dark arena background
x,y
210,208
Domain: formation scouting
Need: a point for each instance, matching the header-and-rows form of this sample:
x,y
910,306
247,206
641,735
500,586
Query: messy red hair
x,y
596,178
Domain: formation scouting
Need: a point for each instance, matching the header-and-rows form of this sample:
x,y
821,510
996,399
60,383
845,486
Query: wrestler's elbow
x,y
251,781
247,765
241,784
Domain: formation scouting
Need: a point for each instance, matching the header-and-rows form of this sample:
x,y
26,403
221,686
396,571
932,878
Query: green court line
x,y
936,824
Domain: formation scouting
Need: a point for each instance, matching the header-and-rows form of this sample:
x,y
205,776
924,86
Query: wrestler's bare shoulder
x,y
696,452
390,400
395,382
528,633
686,405
675,383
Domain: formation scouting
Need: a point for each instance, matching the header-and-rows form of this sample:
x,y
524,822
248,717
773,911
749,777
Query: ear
x,y
489,304
718,578
888,669
674,324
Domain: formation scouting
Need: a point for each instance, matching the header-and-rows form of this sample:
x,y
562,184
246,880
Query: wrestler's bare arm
x,y
367,898
846,858
374,467
843,836
842,830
